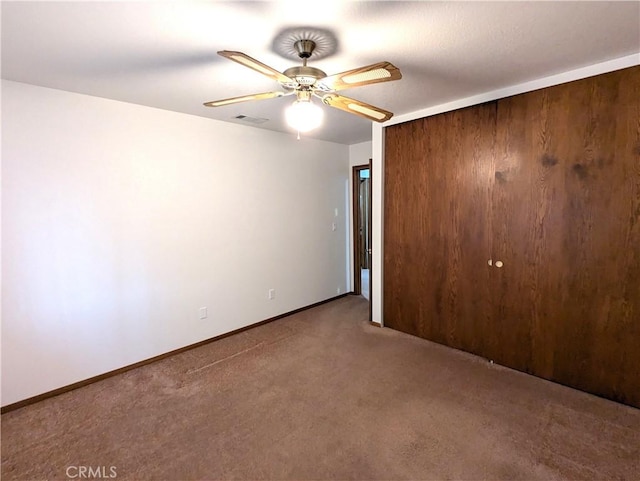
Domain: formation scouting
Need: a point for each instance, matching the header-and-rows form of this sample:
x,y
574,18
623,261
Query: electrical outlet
x,y
272,294
203,313
338,290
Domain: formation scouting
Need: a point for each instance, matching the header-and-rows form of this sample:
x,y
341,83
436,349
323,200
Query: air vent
x,y
251,120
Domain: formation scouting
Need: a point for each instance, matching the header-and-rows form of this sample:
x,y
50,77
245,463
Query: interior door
x,y
364,224
438,177
362,195
526,242
369,221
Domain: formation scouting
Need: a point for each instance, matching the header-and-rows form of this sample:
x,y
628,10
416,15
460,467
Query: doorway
x,y
362,231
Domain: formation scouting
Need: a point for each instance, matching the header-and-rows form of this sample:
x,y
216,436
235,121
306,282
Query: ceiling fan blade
x,y
252,63
356,107
371,74
244,98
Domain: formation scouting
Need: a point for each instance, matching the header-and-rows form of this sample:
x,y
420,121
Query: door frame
x,y
355,201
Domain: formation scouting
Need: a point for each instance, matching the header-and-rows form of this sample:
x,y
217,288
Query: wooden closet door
x,y
566,224
437,231
528,195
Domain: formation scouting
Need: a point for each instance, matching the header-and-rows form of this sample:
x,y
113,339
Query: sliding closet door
x,y
512,230
527,209
438,176
566,225
597,325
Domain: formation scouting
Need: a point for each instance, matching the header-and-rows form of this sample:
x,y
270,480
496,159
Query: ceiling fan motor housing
x,y
304,48
305,76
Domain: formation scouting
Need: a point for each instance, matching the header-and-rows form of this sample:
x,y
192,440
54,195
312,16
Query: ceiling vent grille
x,y
251,120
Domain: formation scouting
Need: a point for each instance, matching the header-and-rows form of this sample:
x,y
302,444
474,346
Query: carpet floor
x,y
323,395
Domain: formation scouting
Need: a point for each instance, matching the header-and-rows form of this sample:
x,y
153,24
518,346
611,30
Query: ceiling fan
x,y
305,81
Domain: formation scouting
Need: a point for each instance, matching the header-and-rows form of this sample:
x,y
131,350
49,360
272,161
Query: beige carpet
x,y
323,395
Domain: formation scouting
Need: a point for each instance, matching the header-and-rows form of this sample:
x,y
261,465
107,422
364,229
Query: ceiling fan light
x,y
304,116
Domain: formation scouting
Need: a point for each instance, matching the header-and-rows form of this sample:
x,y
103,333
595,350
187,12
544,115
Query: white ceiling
x,y
163,54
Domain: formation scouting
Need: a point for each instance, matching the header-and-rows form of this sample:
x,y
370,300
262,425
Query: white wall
x,y
377,171
120,221
359,154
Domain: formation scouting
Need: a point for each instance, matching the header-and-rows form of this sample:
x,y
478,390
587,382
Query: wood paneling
x,y
547,182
